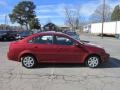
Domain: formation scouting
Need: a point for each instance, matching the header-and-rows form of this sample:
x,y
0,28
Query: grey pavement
x,y
63,77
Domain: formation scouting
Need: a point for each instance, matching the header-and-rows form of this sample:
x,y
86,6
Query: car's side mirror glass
x,y
77,45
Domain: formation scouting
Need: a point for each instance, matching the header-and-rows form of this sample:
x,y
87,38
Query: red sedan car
x,y
52,47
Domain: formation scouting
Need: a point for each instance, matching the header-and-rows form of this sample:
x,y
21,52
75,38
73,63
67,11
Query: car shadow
x,y
60,65
112,63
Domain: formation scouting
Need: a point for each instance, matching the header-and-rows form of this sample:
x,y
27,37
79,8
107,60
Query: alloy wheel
x,y
28,61
93,61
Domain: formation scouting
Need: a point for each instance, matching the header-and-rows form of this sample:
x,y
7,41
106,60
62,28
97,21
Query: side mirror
x,y
77,45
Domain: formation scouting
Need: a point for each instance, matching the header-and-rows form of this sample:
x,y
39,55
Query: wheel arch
x,y
93,54
27,53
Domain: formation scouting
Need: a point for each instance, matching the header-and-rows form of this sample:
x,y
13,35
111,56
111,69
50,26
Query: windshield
x,y
3,32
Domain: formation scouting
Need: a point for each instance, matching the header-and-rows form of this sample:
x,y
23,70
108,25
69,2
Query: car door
x,y
42,46
66,51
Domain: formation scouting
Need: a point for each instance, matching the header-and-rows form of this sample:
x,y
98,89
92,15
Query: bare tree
x,y
72,17
98,14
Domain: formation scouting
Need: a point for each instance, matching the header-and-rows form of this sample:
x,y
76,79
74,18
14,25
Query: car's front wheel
x,y
28,61
93,61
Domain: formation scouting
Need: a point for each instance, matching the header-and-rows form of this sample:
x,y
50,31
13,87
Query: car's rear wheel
x,y
28,61
93,61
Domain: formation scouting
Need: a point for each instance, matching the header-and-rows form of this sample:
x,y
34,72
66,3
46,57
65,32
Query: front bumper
x,y
105,57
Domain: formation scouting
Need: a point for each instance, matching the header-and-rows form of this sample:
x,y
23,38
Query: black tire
x,y
28,61
93,61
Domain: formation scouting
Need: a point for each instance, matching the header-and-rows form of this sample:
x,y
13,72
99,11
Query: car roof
x,y
48,32
55,33
51,32
45,33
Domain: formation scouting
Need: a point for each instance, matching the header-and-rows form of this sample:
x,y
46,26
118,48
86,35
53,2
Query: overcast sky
x,y
52,10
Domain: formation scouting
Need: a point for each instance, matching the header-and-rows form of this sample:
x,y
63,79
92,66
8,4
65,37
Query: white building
x,y
110,28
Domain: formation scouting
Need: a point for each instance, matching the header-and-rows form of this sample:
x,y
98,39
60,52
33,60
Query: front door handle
x,y
35,47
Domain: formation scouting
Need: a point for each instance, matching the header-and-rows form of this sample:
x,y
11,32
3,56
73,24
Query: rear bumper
x,y
11,56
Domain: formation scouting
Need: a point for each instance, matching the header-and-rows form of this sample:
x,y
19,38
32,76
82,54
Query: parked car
x,y
7,35
23,34
53,47
34,31
73,35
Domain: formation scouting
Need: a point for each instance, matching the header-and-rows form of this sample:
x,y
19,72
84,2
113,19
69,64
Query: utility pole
x,y
103,18
5,26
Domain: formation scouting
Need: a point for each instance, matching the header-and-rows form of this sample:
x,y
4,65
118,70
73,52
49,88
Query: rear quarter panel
x,y
15,49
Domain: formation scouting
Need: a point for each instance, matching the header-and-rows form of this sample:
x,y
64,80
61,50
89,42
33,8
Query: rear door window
x,y
46,39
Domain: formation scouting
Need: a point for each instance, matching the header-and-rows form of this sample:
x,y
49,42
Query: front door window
x,y
60,40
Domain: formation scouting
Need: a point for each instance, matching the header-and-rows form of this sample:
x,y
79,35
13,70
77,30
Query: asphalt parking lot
x,y
63,77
